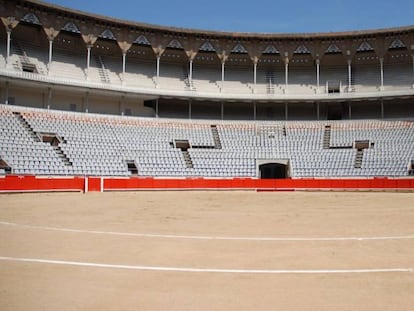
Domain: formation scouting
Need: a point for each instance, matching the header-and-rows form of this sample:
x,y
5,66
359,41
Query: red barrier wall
x,y
33,183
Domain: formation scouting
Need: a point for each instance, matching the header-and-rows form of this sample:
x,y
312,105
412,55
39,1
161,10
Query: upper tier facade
x,y
52,45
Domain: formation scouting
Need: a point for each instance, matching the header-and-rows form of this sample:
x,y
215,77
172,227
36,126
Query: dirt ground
x,y
228,231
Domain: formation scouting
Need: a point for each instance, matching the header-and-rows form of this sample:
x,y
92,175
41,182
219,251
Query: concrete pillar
x,y
222,74
190,74
88,60
123,64
50,55
8,46
318,62
349,75
254,76
158,70
382,73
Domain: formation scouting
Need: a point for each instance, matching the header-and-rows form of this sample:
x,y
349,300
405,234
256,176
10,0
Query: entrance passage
x,y
273,171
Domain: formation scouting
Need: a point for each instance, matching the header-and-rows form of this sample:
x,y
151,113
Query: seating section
x,y
69,64
103,145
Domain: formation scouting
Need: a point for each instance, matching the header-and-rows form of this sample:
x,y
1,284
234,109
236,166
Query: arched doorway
x,y
273,170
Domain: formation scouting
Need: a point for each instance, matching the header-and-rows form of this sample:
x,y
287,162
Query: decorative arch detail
x,y
142,40
107,34
333,49
365,47
239,49
71,27
301,49
397,44
207,47
271,49
175,44
31,18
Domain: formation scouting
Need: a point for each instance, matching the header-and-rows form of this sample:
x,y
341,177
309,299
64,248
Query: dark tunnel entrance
x,y
273,171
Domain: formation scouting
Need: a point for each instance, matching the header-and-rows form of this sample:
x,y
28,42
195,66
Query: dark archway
x,y
273,171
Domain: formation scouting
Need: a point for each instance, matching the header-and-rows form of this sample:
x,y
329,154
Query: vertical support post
x,y
50,55
286,76
349,110
254,76
158,70
86,185
8,46
123,64
382,109
317,74
156,108
222,75
382,73
102,185
88,60
349,75
190,74
222,110
189,108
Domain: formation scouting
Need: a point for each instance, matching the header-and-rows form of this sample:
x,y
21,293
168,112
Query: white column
x,y
349,110
286,75
190,74
50,55
382,73
222,74
158,69
88,60
8,46
349,75
254,77
156,108
123,63
318,62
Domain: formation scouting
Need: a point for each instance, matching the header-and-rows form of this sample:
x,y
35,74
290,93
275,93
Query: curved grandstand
x,y
90,95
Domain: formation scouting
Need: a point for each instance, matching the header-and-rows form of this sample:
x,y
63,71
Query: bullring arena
x,y
207,251
145,167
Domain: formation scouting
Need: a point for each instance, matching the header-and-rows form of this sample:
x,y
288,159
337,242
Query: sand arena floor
x,y
207,251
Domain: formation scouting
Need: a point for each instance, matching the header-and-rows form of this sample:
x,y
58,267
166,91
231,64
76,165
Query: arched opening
x,y
273,171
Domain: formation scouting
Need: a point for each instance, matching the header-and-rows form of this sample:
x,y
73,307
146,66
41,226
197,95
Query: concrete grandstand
x,y
87,95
